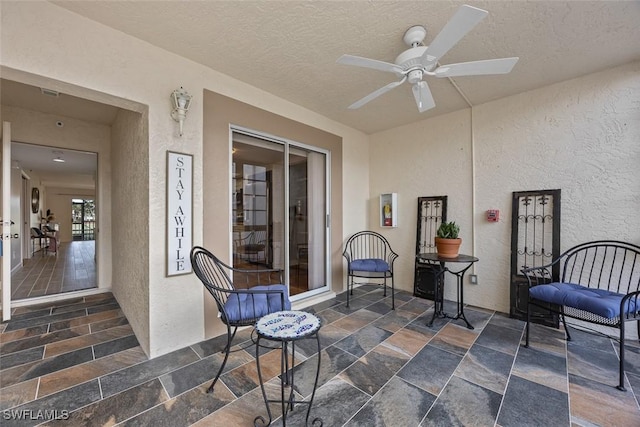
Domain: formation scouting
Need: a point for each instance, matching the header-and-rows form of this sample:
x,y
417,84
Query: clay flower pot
x,y
448,248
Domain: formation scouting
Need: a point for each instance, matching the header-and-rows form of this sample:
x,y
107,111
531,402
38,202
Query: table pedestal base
x,y
438,309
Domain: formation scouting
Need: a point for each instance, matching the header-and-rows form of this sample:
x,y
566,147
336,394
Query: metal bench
x,y
598,282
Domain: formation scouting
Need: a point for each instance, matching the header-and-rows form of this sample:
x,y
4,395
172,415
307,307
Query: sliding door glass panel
x,y
307,219
258,194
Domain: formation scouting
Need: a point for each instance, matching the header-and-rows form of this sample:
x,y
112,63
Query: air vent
x,y
50,92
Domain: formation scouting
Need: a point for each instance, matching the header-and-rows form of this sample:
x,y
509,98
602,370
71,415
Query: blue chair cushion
x,y
247,306
599,301
371,264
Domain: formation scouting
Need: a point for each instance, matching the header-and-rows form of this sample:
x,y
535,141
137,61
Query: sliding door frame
x,y
327,234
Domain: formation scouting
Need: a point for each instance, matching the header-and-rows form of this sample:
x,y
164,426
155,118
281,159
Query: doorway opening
x,y
83,219
60,245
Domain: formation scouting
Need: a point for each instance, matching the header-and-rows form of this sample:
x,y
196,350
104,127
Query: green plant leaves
x,y
448,230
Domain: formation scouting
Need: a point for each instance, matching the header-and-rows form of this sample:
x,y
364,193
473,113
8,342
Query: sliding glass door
x,y
279,209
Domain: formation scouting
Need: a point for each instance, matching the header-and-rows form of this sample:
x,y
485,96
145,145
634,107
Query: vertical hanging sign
x,y
179,212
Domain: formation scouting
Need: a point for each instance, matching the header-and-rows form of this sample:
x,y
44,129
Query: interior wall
x,y
220,112
59,200
580,136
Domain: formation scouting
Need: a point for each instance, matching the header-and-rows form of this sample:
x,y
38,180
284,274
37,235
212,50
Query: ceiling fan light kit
x,y
419,60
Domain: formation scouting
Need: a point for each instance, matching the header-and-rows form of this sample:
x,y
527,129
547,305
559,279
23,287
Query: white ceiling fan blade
x,y
476,68
422,94
462,22
369,63
374,95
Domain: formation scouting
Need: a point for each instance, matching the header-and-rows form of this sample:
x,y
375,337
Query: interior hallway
x,y
73,268
379,367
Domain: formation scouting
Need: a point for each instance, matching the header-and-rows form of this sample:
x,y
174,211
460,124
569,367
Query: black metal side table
x,y
435,259
287,327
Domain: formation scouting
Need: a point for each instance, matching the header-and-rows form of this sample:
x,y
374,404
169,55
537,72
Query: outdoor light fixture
x,y
58,157
181,101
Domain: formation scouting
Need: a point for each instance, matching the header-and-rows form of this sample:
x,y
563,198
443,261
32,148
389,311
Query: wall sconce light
x,y
181,101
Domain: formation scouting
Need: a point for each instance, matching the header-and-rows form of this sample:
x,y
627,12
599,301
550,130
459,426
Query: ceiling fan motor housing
x,y
411,58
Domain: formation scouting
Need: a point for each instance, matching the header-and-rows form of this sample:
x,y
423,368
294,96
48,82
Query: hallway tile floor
x,y
79,360
72,268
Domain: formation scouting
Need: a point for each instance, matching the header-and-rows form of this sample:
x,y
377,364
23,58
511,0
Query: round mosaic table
x,y
287,327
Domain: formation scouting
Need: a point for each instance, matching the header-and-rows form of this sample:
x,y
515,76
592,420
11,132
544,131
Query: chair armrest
x,y
391,259
628,303
539,275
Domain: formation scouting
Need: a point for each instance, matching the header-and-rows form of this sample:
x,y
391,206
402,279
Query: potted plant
x,y
447,240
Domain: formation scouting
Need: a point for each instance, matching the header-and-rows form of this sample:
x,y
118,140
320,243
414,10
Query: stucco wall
x,y
49,46
130,213
580,136
430,158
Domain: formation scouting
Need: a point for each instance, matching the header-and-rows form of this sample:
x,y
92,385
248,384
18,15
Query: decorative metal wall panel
x,y
432,211
535,241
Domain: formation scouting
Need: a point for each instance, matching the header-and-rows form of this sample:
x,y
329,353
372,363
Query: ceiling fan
x,y
420,60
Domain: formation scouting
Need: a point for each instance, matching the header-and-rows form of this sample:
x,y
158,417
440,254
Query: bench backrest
x,y
603,264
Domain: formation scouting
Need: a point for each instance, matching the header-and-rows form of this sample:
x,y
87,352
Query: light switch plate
x,y
473,279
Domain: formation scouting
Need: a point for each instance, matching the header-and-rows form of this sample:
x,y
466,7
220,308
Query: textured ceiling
x,y
289,48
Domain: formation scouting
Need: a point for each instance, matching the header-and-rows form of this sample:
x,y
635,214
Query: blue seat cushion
x,y
599,301
374,265
247,306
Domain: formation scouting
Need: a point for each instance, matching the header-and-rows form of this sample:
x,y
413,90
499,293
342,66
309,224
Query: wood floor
x,y
73,268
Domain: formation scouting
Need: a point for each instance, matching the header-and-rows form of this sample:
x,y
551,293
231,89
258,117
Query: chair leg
x,y
526,340
227,350
349,282
621,381
393,294
384,294
564,322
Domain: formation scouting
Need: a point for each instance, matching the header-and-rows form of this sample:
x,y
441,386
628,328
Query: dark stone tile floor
x,y
78,359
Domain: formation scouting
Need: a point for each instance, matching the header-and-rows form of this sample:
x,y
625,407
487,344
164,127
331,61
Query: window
x,y
83,219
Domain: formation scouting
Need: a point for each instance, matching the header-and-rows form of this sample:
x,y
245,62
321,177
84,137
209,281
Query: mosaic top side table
x,y
287,327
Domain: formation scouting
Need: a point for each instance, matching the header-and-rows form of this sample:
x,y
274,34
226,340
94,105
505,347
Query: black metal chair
x,y
369,255
252,245
595,282
237,306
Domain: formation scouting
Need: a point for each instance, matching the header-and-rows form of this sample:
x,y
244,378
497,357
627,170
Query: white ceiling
x,y
290,48
39,158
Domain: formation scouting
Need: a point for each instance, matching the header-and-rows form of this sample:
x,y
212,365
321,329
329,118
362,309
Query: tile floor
x,y
73,268
379,368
